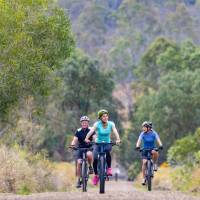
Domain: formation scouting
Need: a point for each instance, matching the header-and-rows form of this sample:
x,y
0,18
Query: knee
x,y
144,163
89,154
79,161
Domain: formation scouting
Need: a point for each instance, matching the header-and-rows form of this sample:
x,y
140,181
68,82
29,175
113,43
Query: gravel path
x,y
114,191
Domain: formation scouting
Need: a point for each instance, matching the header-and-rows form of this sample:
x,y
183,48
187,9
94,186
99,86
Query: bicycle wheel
x,y
102,174
149,175
84,176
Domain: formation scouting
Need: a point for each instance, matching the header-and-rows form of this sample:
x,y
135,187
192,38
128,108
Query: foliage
x,y
34,38
185,150
133,170
23,173
86,86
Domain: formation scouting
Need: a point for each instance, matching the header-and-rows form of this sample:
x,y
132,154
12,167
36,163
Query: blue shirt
x,y
148,139
103,134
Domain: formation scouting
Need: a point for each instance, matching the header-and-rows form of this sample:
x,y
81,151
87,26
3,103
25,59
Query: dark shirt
x,y
81,135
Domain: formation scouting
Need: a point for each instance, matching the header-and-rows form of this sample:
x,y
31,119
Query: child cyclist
x,y
103,128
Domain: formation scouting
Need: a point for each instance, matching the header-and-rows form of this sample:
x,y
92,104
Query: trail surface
x,y
114,191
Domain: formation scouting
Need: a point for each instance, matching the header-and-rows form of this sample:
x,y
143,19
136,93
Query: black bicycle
x,y
149,169
102,165
84,166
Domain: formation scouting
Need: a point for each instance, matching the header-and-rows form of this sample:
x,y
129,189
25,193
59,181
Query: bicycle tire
x,y
149,175
102,174
84,176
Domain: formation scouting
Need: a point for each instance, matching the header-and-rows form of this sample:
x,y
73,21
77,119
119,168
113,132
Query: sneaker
x,y
143,181
78,184
95,180
155,167
109,171
91,171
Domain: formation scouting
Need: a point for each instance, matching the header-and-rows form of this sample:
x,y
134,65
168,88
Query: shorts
x,y
79,154
144,154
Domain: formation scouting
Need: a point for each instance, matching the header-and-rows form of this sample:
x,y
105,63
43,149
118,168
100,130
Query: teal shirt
x,y
103,134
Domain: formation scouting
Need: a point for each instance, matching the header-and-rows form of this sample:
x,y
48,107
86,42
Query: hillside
x,y
117,32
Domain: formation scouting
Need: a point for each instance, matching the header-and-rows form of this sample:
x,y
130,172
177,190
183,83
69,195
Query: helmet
x,y
101,112
150,124
84,118
146,124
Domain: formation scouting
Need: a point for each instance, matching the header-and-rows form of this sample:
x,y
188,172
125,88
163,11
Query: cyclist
x,y
79,139
148,137
103,128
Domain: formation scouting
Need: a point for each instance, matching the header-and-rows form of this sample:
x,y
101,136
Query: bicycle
x,y
149,170
102,165
84,166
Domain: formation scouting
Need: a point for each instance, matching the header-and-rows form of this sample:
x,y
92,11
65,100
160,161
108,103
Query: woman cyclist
x,y
148,137
103,128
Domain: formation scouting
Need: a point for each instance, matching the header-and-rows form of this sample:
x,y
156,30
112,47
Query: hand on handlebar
x,y
118,141
137,148
161,147
87,140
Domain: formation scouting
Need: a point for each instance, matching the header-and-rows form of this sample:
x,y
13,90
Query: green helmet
x,y
101,112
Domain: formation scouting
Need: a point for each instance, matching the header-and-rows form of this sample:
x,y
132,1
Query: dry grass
x,y
23,173
167,178
63,176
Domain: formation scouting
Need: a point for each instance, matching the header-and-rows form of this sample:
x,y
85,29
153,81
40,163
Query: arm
x,y
158,139
116,134
74,141
90,133
139,141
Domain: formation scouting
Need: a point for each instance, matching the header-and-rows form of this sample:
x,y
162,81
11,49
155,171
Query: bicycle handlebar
x,y
143,149
82,148
112,143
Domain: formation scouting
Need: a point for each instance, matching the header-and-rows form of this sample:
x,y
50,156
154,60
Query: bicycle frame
x,y
84,167
102,165
149,172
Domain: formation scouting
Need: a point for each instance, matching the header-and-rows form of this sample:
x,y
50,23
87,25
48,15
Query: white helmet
x,y
84,118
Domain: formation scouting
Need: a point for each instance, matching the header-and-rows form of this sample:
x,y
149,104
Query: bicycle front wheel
x,y
149,175
84,176
102,174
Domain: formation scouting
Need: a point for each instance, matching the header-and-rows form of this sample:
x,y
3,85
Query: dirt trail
x,y
114,191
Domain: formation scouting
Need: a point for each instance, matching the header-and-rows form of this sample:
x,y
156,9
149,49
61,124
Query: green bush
x,y
185,150
134,170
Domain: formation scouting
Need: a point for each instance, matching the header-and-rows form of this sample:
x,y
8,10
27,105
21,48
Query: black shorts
x,y
144,154
79,154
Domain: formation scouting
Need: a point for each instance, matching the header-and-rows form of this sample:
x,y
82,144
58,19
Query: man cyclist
x,y
148,137
103,128
79,139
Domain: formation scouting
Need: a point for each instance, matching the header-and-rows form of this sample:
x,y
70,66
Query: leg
x,y
95,179
144,161
89,158
79,161
78,168
155,159
155,156
95,157
108,159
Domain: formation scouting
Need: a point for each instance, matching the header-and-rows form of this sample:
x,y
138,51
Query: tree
x,y
35,37
185,150
87,88
173,108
